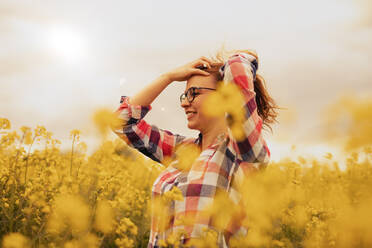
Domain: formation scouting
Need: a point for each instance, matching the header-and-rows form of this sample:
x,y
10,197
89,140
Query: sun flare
x,y
66,43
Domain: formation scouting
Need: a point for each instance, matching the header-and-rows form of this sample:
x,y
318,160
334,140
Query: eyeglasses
x,y
191,93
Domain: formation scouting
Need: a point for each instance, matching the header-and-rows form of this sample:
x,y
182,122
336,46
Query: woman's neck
x,y
211,134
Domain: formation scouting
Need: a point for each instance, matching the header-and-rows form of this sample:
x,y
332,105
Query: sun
x,y
66,43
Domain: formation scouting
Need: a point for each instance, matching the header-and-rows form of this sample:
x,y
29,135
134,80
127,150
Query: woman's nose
x,y
185,103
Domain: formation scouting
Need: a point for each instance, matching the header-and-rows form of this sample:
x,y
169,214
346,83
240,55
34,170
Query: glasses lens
x,y
190,94
182,97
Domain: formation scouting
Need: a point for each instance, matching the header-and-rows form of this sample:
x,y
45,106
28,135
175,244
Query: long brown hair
x,y
266,106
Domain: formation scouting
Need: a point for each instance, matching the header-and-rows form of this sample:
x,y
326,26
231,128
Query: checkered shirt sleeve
x,y
240,69
153,142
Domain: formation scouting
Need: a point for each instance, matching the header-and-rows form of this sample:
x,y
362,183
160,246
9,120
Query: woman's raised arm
x,y
240,69
148,94
153,142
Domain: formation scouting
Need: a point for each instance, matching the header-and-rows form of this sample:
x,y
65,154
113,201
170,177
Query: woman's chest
x,y
213,167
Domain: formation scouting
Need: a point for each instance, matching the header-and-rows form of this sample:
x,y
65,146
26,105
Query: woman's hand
x,y
195,67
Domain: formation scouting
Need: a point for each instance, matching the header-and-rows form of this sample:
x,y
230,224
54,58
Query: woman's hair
x,y
266,106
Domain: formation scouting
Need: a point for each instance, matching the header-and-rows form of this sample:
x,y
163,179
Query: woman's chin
x,y
192,125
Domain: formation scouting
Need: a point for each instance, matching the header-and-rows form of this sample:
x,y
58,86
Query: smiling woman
x,y
229,144
66,43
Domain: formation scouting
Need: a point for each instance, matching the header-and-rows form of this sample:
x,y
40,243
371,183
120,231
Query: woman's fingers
x,y
205,63
211,63
200,72
197,67
206,59
201,64
217,64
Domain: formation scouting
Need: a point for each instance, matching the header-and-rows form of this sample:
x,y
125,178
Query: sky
x,y
62,60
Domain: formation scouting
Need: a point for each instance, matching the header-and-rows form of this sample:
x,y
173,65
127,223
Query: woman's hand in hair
x,y
196,67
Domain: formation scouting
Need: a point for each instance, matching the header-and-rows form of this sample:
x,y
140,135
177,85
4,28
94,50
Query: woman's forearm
x,y
147,95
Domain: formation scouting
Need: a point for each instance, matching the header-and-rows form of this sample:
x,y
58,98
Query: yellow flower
x,y
213,105
207,240
104,219
69,210
27,134
9,138
82,146
4,123
46,209
15,240
105,120
40,131
227,100
75,134
278,243
174,194
186,155
328,155
237,131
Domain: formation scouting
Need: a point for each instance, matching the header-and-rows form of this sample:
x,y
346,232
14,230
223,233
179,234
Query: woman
x,y
223,158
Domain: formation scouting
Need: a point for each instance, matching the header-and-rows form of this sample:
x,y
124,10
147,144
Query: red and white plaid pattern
x,y
219,167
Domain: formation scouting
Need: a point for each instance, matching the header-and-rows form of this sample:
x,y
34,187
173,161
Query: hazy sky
x,y
61,60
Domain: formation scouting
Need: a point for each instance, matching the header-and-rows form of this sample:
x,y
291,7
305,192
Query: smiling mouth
x,y
190,114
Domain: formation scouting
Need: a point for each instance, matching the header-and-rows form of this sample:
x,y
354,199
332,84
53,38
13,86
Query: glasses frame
x,y
191,93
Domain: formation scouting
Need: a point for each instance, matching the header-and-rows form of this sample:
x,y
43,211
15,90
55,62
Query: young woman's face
x,y
195,116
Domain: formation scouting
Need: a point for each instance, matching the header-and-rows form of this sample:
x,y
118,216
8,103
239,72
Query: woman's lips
x,y
190,114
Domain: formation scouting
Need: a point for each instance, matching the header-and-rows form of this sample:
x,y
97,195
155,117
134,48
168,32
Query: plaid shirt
x,y
219,167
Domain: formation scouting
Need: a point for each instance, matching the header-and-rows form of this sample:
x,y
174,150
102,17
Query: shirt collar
x,y
216,141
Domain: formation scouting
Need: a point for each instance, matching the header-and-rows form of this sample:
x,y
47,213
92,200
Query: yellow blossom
x,y
27,135
69,210
229,94
104,219
105,120
15,240
4,123
75,134
186,155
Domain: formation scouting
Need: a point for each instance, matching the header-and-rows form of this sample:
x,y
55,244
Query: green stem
x,y
28,154
72,154
16,157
